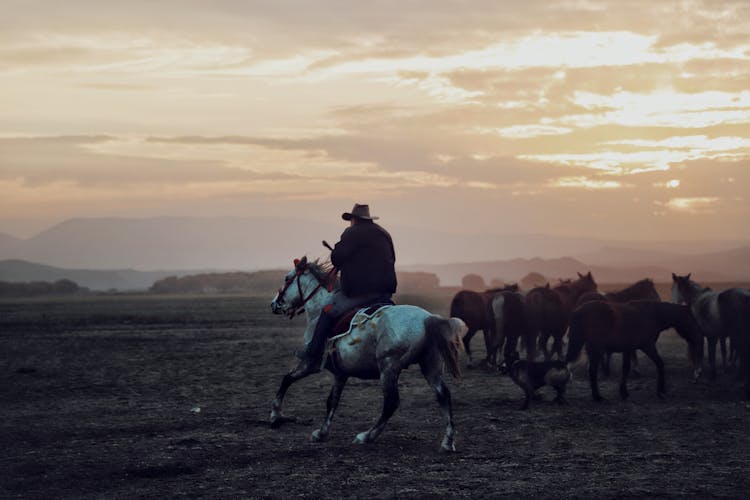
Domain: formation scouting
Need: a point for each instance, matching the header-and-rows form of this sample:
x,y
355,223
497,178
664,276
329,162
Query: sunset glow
x,y
432,112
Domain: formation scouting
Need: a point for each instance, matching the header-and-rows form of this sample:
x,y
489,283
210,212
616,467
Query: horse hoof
x,y
318,437
361,438
277,420
445,448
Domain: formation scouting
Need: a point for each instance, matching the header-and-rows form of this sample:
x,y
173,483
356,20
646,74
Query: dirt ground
x,y
138,396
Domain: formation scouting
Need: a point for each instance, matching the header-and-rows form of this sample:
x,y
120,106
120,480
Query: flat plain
x,y
127,396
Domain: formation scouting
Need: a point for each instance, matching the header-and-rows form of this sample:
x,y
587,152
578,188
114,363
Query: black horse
x,y
641,290
610,326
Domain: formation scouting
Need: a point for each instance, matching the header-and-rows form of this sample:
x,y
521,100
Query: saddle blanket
x,y
360,320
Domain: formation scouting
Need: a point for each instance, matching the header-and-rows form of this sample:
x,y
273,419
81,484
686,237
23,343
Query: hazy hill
x,y
122,279
257,243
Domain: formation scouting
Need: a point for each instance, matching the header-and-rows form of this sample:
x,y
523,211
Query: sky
x,y
622,120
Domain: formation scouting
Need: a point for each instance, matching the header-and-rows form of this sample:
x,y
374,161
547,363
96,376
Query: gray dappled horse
x,y
720,314
378,347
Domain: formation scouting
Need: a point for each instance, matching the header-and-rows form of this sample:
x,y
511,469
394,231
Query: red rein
x,y
299,272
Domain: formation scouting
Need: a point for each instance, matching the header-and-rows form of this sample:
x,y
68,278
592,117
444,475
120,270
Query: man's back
x,y
366,258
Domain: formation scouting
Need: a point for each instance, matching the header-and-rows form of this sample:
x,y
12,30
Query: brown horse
x,y
616,327
641,290
548,311
475,309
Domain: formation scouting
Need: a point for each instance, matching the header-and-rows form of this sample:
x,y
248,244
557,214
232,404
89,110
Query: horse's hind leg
x,y
467,346
333,401
301,371
723,345
634,372
432,371
652,353
389,373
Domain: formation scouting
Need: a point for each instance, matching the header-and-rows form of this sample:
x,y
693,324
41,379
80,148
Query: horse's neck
x,y
675,316
319,298
692,292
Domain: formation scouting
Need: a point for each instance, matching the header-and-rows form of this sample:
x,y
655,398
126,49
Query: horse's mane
x,y
320,269
507,288
638,290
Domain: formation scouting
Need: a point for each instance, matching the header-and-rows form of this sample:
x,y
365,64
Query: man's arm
x,y
344,248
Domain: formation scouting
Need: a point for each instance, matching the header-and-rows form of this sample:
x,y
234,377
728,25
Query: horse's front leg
x,y
723,345
543,341
301,371
625,372
712,356
557,345
594,359
389,372
333,402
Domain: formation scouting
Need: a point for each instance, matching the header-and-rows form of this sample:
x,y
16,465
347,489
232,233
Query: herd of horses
x,y
615,322
381,345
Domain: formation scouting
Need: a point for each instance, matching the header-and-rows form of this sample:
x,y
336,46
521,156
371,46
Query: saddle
x,y
344,323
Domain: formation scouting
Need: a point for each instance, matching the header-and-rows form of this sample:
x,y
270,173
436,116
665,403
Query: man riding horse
x,y
366,259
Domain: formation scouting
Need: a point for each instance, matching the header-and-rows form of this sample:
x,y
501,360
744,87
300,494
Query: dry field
x,y
142,396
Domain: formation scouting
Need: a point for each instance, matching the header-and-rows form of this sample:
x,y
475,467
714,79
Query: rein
x,y
299,272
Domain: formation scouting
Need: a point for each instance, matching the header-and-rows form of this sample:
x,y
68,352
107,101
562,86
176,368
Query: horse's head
x,y
681,285
301,284
289,297
586,282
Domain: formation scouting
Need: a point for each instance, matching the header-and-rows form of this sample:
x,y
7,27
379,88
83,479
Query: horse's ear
x,y
674,277
589,275
579,274
688,276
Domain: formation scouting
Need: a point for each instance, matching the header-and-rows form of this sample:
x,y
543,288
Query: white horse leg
x,y
333,402
431,369
299,372
389,380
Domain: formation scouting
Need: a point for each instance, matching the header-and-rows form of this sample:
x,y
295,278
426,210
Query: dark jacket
x,y
366,259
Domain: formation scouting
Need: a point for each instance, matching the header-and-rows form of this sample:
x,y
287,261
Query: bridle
x,y
299,271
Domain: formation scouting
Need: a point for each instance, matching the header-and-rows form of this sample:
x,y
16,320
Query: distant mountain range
x,y
120,279
144,250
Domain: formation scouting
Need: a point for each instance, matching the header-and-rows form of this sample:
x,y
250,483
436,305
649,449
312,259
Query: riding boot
x,y
313,352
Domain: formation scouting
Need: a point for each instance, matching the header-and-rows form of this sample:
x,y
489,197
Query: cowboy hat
x,y
360,212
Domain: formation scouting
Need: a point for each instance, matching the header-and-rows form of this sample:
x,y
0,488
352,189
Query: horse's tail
x,y
445,335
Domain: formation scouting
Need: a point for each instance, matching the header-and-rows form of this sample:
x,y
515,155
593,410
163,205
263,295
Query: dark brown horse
x,y
610,326
548,311
475,309
508,309
641,290
721,315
